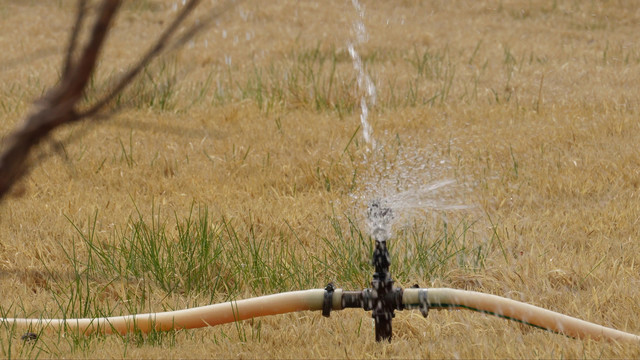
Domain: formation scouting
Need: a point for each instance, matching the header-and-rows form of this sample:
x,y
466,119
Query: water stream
x,y
365,85
408,186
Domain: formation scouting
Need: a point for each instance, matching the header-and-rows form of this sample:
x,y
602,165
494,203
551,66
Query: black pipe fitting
x,y
353,299
382,298
327,303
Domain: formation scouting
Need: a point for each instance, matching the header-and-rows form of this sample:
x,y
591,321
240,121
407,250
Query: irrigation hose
x,y
192,318
437,298
444,298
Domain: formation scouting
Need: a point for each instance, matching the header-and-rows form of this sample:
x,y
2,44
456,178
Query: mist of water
x,y
408,187
379,219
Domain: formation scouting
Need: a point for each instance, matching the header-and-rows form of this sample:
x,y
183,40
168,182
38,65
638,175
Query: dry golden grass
x,y
532,106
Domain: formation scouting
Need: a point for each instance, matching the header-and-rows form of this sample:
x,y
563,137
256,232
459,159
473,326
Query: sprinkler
x,y
382,299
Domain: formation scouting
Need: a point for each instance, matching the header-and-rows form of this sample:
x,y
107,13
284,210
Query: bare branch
x,y
81,72
144,61
159,46
77,26
203,23
56,107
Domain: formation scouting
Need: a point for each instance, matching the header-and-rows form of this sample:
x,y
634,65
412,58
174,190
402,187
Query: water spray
x,y
365,84
382,299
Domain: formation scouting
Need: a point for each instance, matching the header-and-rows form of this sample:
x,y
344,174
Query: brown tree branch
x,y
59,105
204,22
161,44
73,85
56,107
144,61
77,26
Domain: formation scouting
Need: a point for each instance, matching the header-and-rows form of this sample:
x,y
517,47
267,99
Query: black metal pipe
x,y
382,292
352,299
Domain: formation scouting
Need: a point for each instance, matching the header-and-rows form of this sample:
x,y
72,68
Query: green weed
x,y
221,260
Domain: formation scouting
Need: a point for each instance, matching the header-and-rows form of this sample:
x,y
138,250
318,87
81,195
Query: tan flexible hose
x,y
312,300
518,311
189,318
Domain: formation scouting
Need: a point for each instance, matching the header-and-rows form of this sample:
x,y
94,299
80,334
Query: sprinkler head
x,y
382,298
379,218
380,234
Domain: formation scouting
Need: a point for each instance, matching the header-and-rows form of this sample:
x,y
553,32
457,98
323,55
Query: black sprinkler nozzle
x,y
382,298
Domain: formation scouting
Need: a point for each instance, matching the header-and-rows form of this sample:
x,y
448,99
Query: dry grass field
x,y
236,167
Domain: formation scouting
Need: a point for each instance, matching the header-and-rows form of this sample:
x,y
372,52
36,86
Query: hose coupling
x,y
423,303
327,302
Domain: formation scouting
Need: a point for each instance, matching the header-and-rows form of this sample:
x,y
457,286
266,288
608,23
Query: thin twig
x,y
77,26
81,72
159,46
204,22
56,107
144,61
